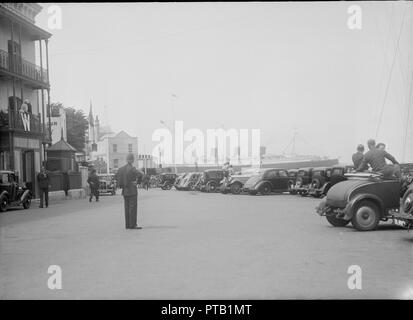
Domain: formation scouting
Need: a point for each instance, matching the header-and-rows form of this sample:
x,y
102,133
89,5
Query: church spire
x,y
91,122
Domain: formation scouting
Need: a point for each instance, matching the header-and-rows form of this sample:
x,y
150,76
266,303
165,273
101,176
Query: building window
x,y
115,148
130,147
115,163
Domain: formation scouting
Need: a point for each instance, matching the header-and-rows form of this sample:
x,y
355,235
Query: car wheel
x,y
236,188
211,187
366,216
336,222
407,202
265,189
3,204
26,204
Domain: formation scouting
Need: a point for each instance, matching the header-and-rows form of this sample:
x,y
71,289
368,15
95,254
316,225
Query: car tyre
x,y
26,203
366,216
236,188
336,222
265,189
3,204
407,202
211,187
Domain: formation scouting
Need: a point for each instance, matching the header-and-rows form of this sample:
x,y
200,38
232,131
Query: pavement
x,y
198,246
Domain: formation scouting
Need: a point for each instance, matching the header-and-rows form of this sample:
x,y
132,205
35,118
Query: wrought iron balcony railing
x,y
28,123
19,66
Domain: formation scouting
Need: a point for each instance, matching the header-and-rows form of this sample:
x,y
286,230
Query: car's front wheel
x,y
336,222
265,189
236,188
3,204
366,216
407,202
211,187
26,203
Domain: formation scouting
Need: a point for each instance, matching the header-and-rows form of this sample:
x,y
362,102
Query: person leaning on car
x,y
376,158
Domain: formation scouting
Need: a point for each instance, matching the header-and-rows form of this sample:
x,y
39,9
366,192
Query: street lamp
x,y
173,130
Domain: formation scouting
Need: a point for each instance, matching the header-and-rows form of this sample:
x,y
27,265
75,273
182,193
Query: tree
x,y
76,127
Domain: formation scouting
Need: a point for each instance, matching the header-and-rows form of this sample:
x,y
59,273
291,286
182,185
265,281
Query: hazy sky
x,y
278,67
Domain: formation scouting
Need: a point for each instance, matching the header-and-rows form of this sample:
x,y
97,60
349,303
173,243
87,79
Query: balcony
x,y
26,70
32,127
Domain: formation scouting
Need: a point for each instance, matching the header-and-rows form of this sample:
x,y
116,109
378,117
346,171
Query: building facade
x,y
24,90
58,124
113,149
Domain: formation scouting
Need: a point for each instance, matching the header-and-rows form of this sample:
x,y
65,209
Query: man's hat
x,y
130,157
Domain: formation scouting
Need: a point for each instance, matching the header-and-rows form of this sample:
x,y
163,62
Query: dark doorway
x,y
28,169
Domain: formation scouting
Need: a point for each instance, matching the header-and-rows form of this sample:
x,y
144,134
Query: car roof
x,y
321,168
306,168
6,171
213,170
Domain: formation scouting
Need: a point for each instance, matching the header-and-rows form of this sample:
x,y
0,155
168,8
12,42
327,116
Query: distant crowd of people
x,y
375,158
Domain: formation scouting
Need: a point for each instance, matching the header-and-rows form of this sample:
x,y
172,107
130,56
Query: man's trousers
x,y
131,211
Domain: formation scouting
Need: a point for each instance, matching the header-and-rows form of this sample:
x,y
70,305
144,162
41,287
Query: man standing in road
x,y
43,181
93,181
129,177
376,158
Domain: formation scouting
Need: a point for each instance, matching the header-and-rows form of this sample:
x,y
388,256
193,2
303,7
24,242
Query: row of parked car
x,y
304,181
364,199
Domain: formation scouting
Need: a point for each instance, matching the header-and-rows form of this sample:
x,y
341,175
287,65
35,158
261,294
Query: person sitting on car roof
x,y
358,156
381,146
376,158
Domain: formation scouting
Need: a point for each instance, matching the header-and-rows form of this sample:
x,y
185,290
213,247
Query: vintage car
x,y
179,180
210,180
188,181
292,173
166,180
267,181
11,193
235,183
365,199
303,182
325,178
320,181
107,184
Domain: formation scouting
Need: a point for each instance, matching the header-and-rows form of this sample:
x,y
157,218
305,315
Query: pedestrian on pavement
x,y
129,177
93,181
43,181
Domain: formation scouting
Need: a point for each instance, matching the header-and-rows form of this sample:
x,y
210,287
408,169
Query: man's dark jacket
x,y
128,176
43,180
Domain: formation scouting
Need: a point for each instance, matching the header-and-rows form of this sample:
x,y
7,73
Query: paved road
x,y
198,246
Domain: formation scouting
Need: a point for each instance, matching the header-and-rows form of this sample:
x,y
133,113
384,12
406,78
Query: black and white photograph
x,y
206,151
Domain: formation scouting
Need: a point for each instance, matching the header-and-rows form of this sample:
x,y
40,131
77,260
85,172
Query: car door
x,y
282,181
272,177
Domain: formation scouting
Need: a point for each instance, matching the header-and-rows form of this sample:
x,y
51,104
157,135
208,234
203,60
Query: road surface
x,y
199,246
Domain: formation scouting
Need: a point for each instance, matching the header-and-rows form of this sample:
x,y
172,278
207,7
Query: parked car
x,y
234,183
303,182
179,179
365,199
11,193
107,184
267,181
188,181
322,182
211,180
292,173
166,180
